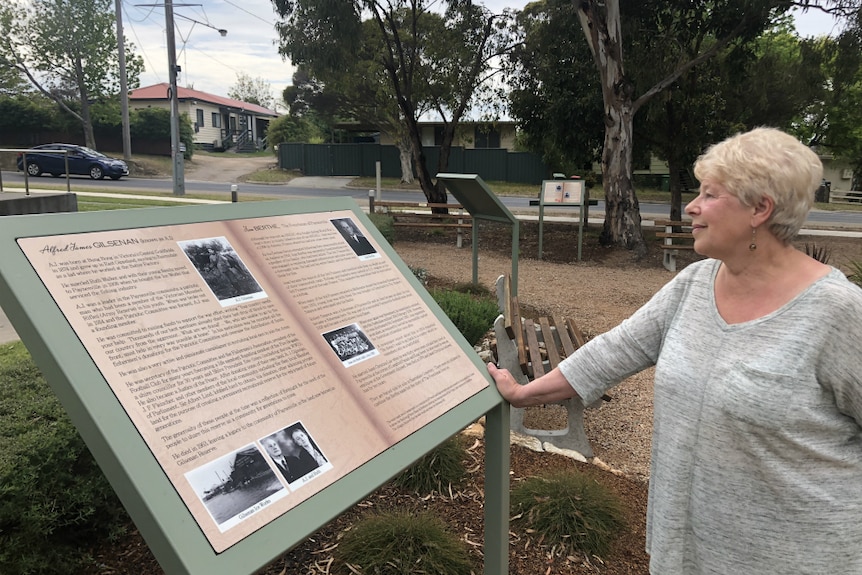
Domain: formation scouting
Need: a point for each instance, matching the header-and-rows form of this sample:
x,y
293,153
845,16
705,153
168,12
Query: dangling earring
x,y
753,245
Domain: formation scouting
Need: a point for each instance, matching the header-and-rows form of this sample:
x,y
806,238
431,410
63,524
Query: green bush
x,y
473,315
568,509
54,500
385,224
436,470
856,276
402,543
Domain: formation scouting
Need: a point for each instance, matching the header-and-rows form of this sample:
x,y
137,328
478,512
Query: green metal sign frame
x,y
483,204
159,513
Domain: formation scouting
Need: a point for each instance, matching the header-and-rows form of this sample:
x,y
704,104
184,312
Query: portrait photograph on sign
x,y
295,455
223,270
355,238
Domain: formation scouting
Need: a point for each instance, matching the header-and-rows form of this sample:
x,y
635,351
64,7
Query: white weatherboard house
x,y
219,122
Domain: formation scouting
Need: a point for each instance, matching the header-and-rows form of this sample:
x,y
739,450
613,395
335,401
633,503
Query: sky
x,y
211,63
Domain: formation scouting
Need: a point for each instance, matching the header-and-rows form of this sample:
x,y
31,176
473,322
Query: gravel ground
x,y
597,298
597,293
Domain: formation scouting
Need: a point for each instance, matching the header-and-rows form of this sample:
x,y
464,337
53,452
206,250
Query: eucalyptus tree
x,y
554,93
67,49
252,90
430,55
833,122
726,21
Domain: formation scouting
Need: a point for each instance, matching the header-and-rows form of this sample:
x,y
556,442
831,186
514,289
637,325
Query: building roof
x,y
160,92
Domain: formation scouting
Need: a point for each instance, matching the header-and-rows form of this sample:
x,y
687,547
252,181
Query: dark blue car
x,y
82,161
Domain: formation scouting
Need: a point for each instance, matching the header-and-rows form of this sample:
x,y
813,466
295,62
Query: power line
x,y
247,12
138,43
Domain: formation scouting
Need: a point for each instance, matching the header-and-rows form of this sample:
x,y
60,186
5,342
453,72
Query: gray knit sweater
x,y
757,432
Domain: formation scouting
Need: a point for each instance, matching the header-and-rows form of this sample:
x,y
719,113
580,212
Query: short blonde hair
x,y
766,162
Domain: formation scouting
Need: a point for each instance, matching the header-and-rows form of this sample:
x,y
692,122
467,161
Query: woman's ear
x,y
762,211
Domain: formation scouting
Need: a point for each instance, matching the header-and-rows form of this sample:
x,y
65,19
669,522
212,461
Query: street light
x,y
176,151
221,31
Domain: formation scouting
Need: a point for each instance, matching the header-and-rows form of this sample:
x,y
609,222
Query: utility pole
x,y
176,153
124,88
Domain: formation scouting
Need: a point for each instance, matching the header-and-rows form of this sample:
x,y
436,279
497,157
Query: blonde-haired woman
x,y
756,461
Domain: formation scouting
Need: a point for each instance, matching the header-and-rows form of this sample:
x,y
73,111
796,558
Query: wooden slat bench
x,y
529,348
406,214
676,236
842,197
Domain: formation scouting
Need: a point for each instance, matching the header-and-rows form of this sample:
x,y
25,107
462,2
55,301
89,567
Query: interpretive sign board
x,y
473,193
562,191
228,364
571,193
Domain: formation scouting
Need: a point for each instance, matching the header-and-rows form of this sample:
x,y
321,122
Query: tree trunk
x,y
622,212
427,184
602,28
405,155
674,165
86,120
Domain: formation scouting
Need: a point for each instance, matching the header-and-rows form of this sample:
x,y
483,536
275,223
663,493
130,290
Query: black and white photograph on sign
x,y
295,455
355,239
223,271
350,344
236,486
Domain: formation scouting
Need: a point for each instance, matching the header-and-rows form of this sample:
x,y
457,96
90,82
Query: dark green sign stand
x,y
151,500
558,190
483,204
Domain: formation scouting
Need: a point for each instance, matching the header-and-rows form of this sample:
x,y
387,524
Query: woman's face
x,y
300,438
721,224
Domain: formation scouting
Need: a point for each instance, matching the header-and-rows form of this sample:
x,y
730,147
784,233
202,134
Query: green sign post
x,y
483,204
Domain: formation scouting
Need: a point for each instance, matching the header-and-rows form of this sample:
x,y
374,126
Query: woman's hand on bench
x,y
550,388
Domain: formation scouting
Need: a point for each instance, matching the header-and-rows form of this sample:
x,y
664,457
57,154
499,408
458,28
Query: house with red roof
x,y
220,123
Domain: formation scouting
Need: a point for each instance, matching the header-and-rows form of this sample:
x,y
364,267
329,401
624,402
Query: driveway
x,y
228,167
234,168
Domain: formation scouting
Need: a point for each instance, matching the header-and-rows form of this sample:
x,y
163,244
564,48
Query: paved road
x,y
312,187
309,187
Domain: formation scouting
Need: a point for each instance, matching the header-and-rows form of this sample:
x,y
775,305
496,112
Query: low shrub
x,y
54,499
473,315
436,470
568,509
856,275
385,225
402,543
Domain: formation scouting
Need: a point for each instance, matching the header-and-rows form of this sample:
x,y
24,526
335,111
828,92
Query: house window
x,y
199,118
487,137
216,117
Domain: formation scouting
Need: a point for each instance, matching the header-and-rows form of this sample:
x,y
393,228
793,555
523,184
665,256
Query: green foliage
x,y
437,470
402,543
856,275
54,500
291,129
252,90
150,123
421,274
155,124
187,135
568,509
385,225
821,254
473,315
